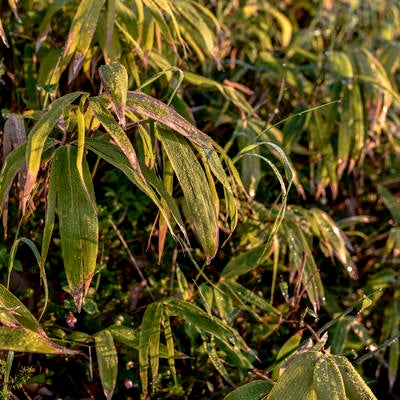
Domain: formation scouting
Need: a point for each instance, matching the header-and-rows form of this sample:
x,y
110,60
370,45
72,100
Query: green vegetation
x,y
200,199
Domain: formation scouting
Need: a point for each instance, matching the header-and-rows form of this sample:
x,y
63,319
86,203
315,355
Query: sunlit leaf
x,y
255,390
77,215
115,80
28,341
354,385
198,196
37,137
149,340
107,360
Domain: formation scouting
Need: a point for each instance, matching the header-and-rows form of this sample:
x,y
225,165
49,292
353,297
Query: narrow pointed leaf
x,y
149,342
354,385
196,189
77,216
113,155
107,360
150,107
203,321
18,313
26,340
115,80
296,381
79,38
37,137
328,383
99,108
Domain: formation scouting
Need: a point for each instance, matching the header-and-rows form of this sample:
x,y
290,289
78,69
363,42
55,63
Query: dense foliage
x,y
199,196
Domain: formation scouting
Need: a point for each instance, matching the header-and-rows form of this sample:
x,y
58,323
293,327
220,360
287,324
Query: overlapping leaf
x,y
73,201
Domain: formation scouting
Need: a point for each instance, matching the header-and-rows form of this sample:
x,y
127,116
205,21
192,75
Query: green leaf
x,y
286,351
37,137
79,38
28,341
150,107
149,341
243,263
108,361
99,108
14,312
196,189
255,390
391,202
113,155
296,381
356,388
115,80
77,215
203,321
246,297
328,382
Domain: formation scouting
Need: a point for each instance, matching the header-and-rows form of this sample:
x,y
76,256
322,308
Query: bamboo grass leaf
x,y
203,321
328,382
247,297
196,189
79,38
113,155
285,352
256,390
391,202
37,138
216,361
77,214
150,107
170,346
108,361
99,108
296,381
354,385
14,312
26,340
115,80
149,340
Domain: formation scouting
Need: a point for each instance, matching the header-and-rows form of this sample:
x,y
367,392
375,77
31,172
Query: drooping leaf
x,y
107,360
296,381
28,341
99,107
196,189
149,340
328,382
203,321
113,155
150,107
37,137
354,385
79,38
77,215
13,312
115,80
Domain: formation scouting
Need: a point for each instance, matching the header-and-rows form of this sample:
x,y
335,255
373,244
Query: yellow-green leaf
x,y
107,360
37,137
77,214
115,80
26,340
195,187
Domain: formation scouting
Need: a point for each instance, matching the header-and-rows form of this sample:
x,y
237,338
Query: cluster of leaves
x,y
251,147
